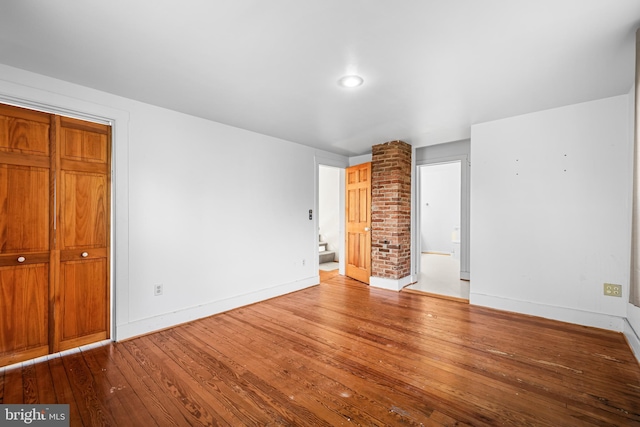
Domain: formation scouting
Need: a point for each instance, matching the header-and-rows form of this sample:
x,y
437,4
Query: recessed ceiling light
x,y
350,81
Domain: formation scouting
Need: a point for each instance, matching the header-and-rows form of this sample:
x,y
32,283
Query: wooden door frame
x,y
118,120
341,164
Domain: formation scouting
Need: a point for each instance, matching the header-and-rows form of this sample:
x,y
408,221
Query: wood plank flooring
x,y
343,353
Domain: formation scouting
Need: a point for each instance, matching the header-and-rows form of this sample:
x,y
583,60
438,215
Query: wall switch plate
x,y
157,289
612,290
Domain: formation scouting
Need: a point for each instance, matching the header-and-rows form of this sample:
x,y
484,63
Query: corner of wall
x,y
632,329
632,339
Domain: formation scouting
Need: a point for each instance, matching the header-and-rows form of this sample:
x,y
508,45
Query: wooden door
x,y
54,233
358,221
82,283
25,168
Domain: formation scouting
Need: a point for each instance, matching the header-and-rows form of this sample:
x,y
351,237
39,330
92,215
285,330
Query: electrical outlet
x,y
157,289
612,290
304,262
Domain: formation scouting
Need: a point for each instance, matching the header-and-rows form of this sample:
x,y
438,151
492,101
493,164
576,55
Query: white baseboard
x,y
632,338
563,314
392,284
632,329
167,320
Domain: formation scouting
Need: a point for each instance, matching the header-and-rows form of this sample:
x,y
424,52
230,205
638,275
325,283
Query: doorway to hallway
x,y
329,211
439,223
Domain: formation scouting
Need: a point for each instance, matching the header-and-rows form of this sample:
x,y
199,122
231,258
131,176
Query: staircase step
x,y
327,256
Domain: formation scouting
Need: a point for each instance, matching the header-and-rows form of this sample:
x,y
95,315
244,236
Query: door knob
x,y
21,259
367,229
85,254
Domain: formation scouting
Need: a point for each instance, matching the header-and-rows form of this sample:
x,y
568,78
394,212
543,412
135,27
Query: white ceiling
x,y
432,68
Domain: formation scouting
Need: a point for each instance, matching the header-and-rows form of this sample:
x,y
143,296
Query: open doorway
x,y
440,224
329,217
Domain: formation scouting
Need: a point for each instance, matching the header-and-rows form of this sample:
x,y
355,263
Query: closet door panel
x,y
24,180
24,131
24,308
83,145
84,313
25,237
83,211
83,292
83,284
24,209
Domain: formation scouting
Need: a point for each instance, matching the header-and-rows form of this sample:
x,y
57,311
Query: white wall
x,y
632,326
197,203
329,208
550,203
439,207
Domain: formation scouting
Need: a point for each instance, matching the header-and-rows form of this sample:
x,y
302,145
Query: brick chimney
x,y
391,214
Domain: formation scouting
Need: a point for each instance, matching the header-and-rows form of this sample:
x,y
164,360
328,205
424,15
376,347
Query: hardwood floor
x,y
343,353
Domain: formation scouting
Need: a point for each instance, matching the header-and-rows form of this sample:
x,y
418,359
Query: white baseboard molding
x,y
167,320
563,314
632,338
392,284
632,329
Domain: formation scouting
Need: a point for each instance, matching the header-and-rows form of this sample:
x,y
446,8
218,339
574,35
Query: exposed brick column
x,y
391,210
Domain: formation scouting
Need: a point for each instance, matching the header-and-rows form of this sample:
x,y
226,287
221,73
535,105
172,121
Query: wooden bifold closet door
x,y
54,233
